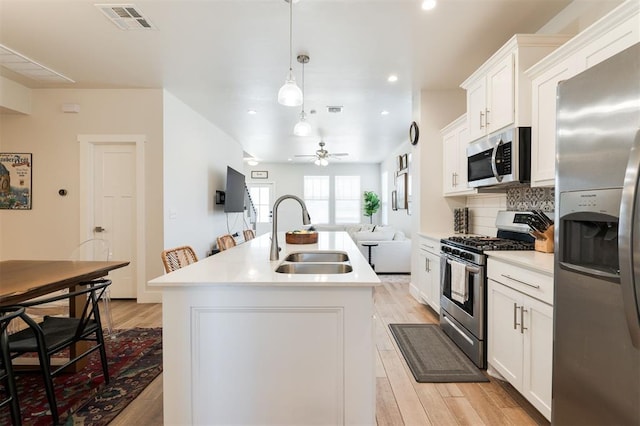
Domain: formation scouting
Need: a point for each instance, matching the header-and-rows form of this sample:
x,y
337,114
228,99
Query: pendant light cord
x,y
303,96
290,35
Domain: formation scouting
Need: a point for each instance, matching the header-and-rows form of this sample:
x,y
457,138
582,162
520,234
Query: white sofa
x,y
390,251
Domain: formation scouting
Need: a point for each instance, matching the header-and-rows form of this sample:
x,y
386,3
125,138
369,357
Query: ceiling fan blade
x,y
339,154
305,155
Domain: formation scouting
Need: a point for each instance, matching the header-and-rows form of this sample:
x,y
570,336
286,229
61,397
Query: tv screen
x,y
234,193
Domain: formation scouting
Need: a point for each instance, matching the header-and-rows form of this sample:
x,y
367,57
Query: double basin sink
x,y
315,262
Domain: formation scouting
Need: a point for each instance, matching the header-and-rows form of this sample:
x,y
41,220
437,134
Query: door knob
x,y
98,229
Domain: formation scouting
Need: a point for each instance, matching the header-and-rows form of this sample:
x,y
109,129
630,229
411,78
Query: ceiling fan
x,y
322,155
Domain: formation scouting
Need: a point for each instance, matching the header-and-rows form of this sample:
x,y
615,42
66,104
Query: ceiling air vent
x,y
126,16
334,109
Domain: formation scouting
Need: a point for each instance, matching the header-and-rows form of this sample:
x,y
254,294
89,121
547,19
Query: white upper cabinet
x,y
498,93
455,138
613,33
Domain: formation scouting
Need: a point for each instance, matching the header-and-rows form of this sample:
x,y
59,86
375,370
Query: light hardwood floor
x,y
400,400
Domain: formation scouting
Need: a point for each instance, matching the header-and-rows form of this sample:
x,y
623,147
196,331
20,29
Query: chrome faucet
x,y
306,219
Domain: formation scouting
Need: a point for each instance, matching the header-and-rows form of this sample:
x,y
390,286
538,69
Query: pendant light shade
x,y
290,94
302,127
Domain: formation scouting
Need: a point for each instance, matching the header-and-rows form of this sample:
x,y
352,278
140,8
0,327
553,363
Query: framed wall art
x,y
15,181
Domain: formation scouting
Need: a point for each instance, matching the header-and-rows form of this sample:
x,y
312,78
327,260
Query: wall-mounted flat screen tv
x,y
234,193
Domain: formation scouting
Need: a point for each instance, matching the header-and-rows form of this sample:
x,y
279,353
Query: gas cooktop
x,y
480,243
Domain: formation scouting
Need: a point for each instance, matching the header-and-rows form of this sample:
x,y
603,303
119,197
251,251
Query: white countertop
x,y
435,235
248,264
542,262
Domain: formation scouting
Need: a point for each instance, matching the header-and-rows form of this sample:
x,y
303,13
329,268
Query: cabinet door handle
x,y
455,179
522,327
486,117
481,115
515,316
426,264
519,281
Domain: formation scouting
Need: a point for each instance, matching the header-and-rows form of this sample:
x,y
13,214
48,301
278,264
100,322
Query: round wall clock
x,y
414,133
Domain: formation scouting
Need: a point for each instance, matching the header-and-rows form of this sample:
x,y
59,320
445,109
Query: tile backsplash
x,y
526,198
483,208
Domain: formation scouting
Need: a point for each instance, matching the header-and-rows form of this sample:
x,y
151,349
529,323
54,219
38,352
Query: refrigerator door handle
x,y
628,238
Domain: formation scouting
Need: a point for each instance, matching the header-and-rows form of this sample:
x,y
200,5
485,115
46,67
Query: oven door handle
x,y
472,269
494,166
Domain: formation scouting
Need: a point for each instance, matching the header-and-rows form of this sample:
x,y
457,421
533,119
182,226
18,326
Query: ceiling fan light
x,y
324,162
317,162
290,94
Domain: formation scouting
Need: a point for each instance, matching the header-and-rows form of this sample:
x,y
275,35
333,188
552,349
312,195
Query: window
x,y
347,199
261,197
316,197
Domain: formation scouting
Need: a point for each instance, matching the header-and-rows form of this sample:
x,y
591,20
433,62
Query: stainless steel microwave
x,y
503,157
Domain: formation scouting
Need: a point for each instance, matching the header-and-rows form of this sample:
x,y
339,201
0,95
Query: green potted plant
x,y
371,204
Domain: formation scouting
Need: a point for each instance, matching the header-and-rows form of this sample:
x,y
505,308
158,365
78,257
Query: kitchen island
x,y
243,344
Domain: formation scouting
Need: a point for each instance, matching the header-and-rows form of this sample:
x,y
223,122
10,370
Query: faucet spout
x,y
306,219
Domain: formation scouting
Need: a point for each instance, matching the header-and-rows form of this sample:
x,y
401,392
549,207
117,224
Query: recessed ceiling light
x,y
252,112
384,112
252,162
392,78
428,4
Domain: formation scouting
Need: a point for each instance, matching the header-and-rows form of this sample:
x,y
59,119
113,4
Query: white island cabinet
x,y
243,344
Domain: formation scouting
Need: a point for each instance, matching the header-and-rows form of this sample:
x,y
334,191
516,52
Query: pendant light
x,y
302,127
290,94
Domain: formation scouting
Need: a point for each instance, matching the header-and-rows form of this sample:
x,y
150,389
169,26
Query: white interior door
x,y
114,207
262,197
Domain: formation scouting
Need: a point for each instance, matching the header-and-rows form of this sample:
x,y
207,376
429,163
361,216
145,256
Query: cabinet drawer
x,y
533,283
430,245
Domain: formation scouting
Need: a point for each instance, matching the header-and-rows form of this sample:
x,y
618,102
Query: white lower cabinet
x,y
429,278
520,338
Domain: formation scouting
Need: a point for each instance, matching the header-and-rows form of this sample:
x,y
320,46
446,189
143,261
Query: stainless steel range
x,y
463,280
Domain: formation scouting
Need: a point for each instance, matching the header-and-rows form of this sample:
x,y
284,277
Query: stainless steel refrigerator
x,y
596,354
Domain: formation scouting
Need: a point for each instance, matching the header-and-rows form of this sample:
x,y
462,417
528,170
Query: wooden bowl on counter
x,y
301,237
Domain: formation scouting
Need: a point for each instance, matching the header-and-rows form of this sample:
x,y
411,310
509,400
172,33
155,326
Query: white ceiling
x,y
225,57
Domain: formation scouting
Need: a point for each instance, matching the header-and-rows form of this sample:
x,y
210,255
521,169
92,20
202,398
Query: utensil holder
x,y
544,243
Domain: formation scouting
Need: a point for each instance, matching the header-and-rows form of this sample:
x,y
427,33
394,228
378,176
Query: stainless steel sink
x,y
314,268
318,256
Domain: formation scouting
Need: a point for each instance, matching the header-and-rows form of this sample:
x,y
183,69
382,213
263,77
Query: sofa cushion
x,y
399,236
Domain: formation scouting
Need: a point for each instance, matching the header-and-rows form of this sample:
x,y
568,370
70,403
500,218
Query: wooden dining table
x,y
22,280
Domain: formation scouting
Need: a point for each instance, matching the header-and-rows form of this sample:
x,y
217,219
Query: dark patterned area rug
x,y
135,359
432,357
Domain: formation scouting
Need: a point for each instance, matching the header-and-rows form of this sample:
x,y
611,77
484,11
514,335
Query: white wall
x,y
50,229
196,156
438,108
288,179
578,15
14,97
